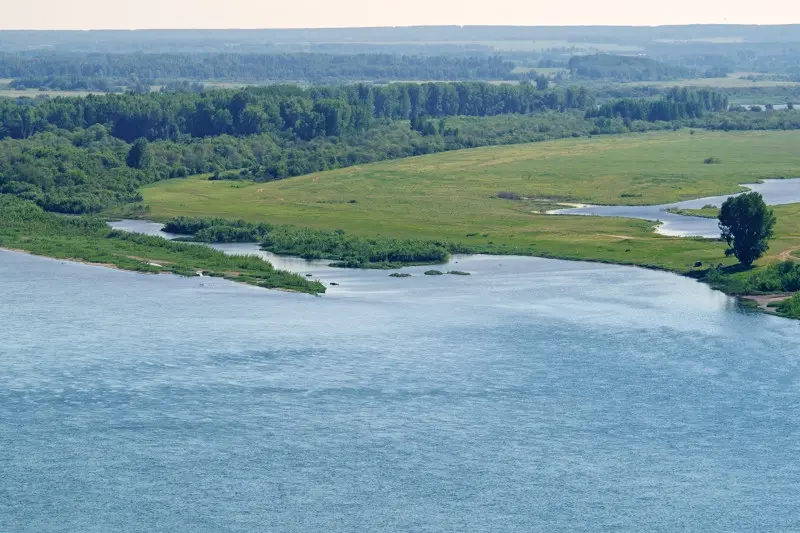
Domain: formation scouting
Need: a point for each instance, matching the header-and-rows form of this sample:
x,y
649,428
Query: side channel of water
x,y
775,192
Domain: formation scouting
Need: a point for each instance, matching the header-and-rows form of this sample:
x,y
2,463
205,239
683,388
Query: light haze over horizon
x,y
253,14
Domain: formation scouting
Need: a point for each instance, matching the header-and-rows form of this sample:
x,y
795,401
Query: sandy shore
x,y
763,300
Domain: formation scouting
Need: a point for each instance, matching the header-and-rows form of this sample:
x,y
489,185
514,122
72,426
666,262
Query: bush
x,y
789,308
505,195
780,277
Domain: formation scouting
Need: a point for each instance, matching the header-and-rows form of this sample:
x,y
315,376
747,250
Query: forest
x,y
37,70
625,68
676,104
305,113
85,155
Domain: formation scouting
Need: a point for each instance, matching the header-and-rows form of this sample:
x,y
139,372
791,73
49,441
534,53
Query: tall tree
x,y
542,83
139,155
747,224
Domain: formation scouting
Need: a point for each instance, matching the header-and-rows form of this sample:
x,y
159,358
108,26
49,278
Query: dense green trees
x,y
139,156
82,155
747,224
348,250
351,251
79,173
217,229
303,113
67,71
81,83
625,68
676,104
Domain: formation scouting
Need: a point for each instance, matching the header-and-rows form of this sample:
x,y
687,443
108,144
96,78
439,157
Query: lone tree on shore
x,y
746,224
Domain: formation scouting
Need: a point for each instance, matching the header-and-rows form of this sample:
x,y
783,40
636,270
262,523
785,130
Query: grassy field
x,y
453,195
35,93
730,82
704,212
545,71
523,45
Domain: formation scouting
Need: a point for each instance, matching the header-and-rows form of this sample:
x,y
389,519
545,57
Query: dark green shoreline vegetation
x,y
346,250
140,71
789,308
25,226
781,277
349,251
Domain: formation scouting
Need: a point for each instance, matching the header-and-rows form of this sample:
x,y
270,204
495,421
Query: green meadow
x,y
454,195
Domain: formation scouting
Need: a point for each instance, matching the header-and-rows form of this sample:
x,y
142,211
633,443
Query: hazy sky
x,y
130,14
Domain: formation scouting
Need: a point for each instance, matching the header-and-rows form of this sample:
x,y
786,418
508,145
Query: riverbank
x,y
121,250
458,198
733,281
26,227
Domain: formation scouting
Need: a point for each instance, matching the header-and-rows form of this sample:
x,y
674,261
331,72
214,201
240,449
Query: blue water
x,y
775,192
534,395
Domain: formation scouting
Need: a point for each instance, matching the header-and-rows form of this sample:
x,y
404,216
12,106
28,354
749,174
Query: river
x,y
533,395
775,192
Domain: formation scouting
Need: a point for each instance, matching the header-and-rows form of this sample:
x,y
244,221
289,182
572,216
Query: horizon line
x,y
409,26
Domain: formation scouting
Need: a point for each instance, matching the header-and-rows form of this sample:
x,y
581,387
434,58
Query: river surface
x,y
532,396
775,192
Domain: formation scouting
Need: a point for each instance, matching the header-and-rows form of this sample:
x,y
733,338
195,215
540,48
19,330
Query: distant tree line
x,y
626,68
308,67
676,104
302,113
80,83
